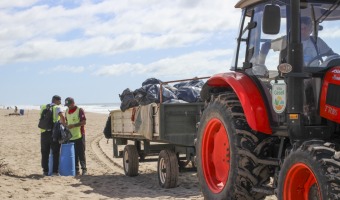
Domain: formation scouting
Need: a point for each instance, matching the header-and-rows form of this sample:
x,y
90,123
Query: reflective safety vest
x,y
74,119
56,116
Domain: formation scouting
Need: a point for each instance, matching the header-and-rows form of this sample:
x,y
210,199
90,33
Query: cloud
x,y
119,69
17,3
203,63
330,32
42,31
64,68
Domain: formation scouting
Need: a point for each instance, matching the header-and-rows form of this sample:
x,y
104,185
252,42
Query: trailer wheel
x,y
311,171
225,148
167,168
130,160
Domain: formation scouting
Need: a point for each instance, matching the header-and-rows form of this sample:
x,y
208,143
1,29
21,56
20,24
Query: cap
x,y
56,97
69,101
306,20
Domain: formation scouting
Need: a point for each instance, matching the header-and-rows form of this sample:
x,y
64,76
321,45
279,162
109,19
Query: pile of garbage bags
x,y
183,92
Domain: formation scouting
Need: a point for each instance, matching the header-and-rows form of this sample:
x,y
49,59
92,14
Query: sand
x,y
21,173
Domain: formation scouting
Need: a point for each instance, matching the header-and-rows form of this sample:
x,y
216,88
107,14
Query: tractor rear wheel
x,y
310,171
225,148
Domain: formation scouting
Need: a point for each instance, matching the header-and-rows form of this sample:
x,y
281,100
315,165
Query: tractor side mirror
x,y
271,20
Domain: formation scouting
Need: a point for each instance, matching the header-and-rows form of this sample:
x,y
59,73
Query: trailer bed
x,y
174,123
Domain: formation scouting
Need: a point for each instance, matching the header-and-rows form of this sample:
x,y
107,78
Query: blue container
x,y
67,160
50,164
22,111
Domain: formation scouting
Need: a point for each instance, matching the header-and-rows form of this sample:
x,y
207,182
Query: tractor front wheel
x,y
310,172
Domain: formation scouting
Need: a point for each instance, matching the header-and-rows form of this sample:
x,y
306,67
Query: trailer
x,y
166,130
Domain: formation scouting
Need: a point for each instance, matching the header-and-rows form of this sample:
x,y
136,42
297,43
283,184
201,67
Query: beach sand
x,y
21,173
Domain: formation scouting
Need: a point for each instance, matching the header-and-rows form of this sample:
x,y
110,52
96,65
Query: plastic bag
x,y
60,133
127,100
193,83
189,94
180,84
151,81
66,135
107,129
150,94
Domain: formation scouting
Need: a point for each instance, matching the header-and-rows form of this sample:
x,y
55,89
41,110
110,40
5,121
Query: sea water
x,y
102,108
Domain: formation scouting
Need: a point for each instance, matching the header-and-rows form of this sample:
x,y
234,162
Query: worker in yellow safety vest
x,y
46,140
76,120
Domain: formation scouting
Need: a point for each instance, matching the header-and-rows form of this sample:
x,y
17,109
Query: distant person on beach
x,y
76,121
46,139
15,113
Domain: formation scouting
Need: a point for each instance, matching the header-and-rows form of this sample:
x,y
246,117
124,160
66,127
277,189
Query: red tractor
x,y
272,124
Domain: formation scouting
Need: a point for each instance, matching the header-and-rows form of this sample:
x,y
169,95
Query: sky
x,y
92,50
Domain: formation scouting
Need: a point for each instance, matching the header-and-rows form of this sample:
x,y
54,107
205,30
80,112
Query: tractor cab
x,y
269,51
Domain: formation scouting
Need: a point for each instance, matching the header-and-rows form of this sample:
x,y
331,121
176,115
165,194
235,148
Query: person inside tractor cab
x,y
314,49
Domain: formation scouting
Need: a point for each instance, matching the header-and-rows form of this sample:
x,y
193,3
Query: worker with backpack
x,y
49,115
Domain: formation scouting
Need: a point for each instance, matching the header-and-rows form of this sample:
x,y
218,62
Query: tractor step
x,y
264,190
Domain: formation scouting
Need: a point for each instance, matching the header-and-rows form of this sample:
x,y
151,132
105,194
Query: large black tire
x,y
167,169
310,171
225,148
130,160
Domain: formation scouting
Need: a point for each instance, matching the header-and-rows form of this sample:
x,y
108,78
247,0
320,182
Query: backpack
x,y
46,118
107,129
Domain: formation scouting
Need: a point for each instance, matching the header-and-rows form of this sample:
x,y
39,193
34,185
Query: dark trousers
x,y
47,145
79,152
83,139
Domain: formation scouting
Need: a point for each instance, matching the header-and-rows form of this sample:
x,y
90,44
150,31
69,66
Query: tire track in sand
x,y
103,159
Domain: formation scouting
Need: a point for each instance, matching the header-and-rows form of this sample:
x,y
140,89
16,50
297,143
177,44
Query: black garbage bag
x,y
194,83
107,129
127,100
66,135
60,133
171,88
189,94
151,81
175,101
180,84
150,94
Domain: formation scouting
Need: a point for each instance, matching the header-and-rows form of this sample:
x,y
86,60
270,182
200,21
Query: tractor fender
x,y
249,95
